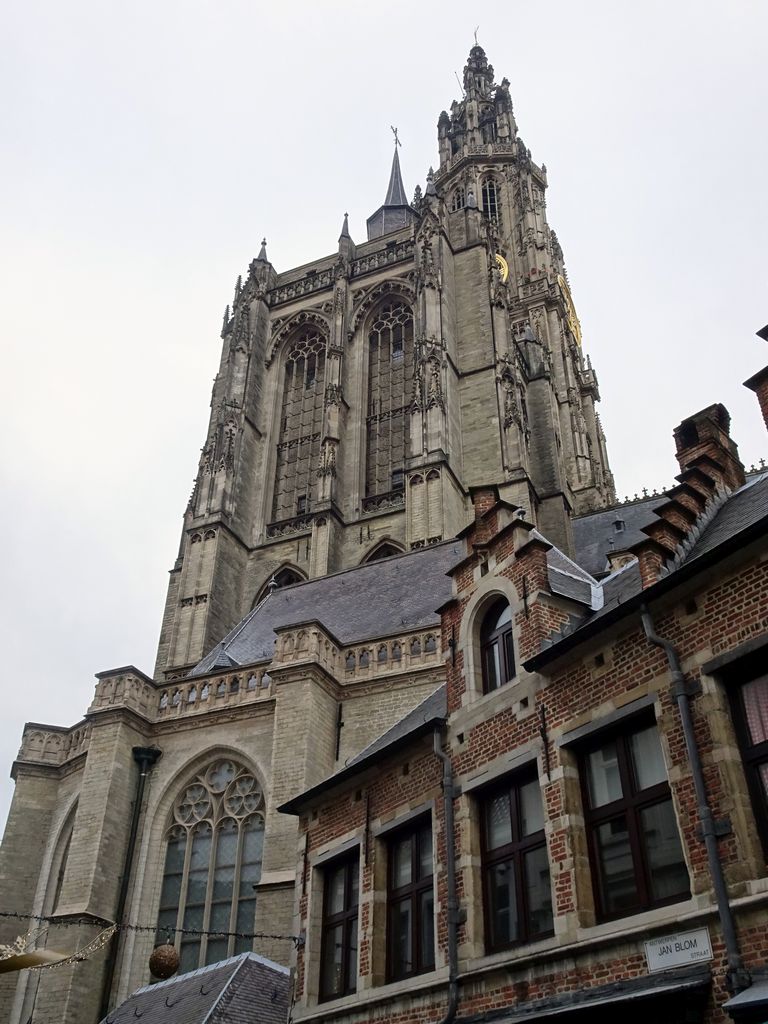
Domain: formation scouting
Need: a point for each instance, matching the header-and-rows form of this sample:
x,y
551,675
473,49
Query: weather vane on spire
x,y
394,132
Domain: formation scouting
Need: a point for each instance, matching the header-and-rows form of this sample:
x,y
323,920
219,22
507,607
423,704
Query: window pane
x,y
253,843
498,822
531,808
217,950
401,862
755,696
219,920
425,853
331,979
244,922
190,956
668,874
538,891
400,938
492,667
502,904
603,776
354,883
351,979
427,928
335,892
509,655
615,867
647,758
226,855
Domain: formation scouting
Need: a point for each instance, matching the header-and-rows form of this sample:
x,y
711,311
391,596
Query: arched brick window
x,y
212,861
497,650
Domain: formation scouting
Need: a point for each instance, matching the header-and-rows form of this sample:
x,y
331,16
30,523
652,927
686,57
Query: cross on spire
x,y
394,132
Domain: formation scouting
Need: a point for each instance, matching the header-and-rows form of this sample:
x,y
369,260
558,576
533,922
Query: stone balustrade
x,y
197,696
45,744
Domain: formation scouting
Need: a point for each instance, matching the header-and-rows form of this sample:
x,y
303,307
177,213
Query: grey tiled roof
x,y
419,720
379,598
595,535
245,989
743,510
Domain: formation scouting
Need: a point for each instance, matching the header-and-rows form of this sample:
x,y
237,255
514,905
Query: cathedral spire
x,y
345,228
262,257
396,192
396,212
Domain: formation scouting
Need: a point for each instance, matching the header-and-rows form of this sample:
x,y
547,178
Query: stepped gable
x,y
372,600
243,988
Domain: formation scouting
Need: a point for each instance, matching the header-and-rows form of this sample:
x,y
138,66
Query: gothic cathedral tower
x,y
359,398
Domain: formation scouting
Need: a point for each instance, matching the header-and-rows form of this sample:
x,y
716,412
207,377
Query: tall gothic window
x,y
301,422
390,380
458,200
212,862
490,196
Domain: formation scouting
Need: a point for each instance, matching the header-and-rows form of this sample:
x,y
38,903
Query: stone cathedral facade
x,y
360,397
362,402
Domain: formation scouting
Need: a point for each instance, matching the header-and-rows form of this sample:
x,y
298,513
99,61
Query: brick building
x,y
404,500
575,823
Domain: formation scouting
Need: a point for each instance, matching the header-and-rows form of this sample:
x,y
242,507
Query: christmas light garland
x,y
132,927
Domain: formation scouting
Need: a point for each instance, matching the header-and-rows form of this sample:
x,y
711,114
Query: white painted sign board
x,y
678,949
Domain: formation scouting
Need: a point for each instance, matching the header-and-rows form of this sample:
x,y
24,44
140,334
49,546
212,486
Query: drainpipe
x,y
450,866
145,757
737,976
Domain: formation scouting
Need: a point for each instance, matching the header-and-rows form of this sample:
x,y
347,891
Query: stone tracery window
x,y
212,861
301,422
458,200
490,196
390,382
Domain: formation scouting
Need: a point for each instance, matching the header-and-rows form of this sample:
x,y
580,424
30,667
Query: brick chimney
x,y
703,441
758,383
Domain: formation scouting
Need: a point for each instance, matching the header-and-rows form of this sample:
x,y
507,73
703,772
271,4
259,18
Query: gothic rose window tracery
x,y
390,382
212,861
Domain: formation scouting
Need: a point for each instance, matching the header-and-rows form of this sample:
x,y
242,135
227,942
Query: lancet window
x,y
390,383
212,862
301,422
490,196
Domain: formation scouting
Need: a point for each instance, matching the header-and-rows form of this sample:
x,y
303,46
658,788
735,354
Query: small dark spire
x,y
262,257
345,228
396,192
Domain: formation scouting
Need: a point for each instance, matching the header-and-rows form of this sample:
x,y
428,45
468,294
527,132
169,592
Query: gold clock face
x,y
503,266
570,310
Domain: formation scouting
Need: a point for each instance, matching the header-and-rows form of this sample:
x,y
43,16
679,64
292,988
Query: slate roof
x,y
739,519
377,599
245,989
595,535
419,721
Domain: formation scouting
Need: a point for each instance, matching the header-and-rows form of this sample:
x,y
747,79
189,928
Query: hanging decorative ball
x,y
164,961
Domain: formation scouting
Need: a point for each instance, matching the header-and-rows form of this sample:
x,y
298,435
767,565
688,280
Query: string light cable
x,y
112,928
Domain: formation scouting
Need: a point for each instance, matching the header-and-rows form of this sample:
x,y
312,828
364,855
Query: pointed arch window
x,y
212,862
301,422
390,382
458,199
490,196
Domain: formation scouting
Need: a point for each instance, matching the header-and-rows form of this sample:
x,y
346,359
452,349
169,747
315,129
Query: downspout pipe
x,y
737,976
449,793
145,758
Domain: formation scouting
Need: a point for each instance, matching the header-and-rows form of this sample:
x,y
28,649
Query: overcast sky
x,y
147,147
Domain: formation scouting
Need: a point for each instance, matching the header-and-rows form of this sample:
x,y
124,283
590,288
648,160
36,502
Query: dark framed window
x,y
635,851
516,886
410,903
497,649
338,956
750,706
490,198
